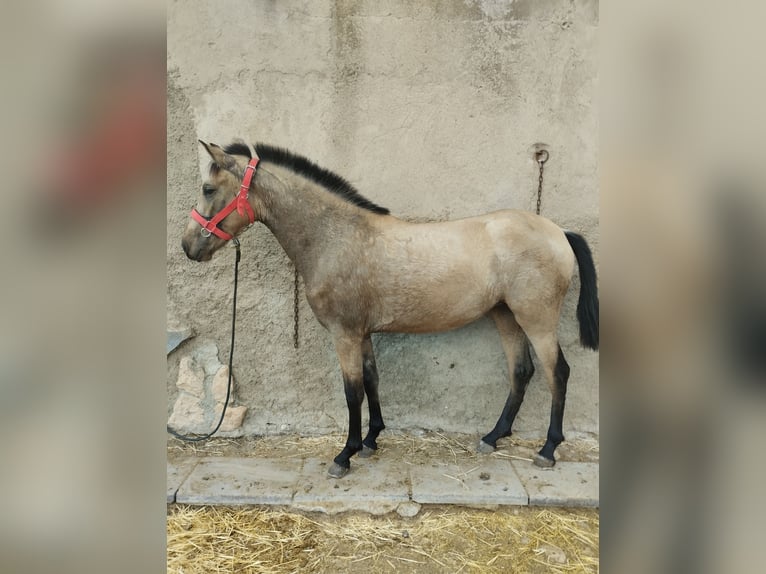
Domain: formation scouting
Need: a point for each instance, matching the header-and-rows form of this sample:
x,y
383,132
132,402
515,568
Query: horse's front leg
x,y
370,373
350,355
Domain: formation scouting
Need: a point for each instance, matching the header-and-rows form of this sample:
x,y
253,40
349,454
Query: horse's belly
x,y
435,315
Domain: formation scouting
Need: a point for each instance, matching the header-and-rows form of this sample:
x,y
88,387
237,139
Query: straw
x,y
446,447
273,540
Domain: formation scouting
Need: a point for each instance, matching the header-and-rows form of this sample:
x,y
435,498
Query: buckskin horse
x,y
366,271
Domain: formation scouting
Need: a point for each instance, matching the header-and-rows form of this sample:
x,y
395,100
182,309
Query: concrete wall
x,y
431,109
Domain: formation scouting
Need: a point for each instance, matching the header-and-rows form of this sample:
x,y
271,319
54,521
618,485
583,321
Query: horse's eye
x,y
208,190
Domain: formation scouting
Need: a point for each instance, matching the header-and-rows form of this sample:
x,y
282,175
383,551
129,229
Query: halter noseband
x,y
240,203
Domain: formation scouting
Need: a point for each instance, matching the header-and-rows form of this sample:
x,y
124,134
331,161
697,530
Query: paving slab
x,y
378,486
482,482
176,474
566,484
241,481
373,486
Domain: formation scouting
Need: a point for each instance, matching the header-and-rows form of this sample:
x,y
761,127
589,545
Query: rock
x,y
206,354
188,415
408,509
220,384
233,419
553,554
191,377
198,372
176,337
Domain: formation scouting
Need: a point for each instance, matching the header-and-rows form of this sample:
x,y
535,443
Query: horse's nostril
x,y
185,247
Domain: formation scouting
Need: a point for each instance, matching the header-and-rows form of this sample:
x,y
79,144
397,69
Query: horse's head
x,y
219,193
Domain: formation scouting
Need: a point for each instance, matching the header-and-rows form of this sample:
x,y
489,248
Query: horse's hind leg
x,y
557,373
370,375
520,370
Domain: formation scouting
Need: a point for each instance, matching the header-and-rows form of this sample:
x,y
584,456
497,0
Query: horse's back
x,y
482,245
436,276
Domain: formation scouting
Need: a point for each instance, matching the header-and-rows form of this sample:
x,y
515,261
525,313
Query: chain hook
x,y
541,156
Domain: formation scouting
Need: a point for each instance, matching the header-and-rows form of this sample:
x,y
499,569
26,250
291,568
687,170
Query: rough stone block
x,y
221,384
232,421
566,484
241,481
408,509
187,415
482,482
176,337
191,377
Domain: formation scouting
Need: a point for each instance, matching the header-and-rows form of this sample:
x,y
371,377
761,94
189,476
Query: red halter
x,y
240,203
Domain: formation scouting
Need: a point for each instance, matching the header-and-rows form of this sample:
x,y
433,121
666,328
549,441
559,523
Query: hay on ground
x,y
439,539
445,447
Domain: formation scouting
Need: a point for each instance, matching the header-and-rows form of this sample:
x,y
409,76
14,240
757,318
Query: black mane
x,y
303,166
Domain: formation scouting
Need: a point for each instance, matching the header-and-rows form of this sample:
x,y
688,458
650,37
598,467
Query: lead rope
x,y
295,310
541,157
189,438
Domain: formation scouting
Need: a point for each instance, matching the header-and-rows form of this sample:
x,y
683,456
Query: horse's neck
x,y
306,220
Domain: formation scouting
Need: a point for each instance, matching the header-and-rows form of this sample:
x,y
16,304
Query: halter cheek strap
x,y
240,203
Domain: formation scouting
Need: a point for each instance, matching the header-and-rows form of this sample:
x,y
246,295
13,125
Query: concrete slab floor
x,y
566,484
379,486
486,481
369,486
177,474
241,481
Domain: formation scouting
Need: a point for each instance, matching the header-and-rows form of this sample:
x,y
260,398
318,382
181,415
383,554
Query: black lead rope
x,y
189,438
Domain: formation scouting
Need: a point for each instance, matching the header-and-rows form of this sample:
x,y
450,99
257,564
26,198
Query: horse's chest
x,y
339,302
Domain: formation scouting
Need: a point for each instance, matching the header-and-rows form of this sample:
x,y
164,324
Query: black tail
x,y
587,306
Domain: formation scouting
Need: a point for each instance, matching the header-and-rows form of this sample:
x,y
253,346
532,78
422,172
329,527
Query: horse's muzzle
x,y
194,251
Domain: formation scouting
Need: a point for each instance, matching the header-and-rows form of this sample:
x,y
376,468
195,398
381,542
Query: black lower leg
x,y
354,397
555,429
522,373
371,389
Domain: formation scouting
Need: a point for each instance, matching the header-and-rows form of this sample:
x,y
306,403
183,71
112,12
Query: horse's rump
x,y
437,276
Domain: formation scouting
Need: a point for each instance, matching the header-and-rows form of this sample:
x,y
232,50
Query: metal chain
x,y
295,311
542,157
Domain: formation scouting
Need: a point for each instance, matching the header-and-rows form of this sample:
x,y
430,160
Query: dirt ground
x,y
394,447
438,539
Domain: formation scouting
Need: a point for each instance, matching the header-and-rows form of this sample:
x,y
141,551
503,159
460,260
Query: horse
x,y
366,271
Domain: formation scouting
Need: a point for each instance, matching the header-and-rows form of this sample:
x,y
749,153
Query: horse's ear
x,y
220,157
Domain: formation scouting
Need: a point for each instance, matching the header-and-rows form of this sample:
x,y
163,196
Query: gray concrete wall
x,y
431,109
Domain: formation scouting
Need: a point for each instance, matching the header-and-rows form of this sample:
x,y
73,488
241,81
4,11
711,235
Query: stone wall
x,y
431,109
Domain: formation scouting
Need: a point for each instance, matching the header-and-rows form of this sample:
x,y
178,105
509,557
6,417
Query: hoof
x,y
543,462
366,452
337,471
485,448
